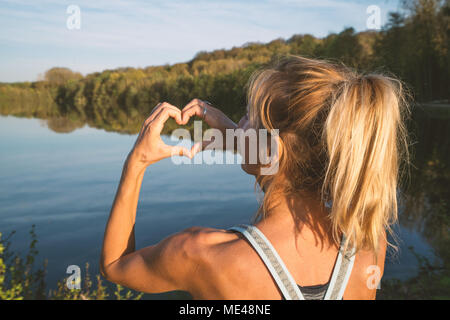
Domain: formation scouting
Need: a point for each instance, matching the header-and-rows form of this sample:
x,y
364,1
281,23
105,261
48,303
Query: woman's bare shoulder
x,y
367,272
222,258
203,242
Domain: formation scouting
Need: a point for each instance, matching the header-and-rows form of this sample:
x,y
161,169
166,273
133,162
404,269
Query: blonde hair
x,y
342,138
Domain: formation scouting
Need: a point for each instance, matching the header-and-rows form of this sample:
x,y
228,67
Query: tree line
x,y
413,45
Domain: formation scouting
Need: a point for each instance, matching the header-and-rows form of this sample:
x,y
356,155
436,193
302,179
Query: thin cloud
x,y
141,33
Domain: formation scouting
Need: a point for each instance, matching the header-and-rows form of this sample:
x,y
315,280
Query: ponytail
x,y
364,137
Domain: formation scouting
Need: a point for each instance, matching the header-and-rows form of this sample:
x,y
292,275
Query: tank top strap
x,y
341,272
272,260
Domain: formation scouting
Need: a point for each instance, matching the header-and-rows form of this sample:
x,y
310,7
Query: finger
x,y
154,112
158,109
166,113
191,103
173,112
179,151
199,106
206,143
197,147
193,110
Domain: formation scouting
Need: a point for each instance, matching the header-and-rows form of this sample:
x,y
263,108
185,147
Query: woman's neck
x,y
304,213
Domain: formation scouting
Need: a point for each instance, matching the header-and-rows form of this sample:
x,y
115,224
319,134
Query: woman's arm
x,y
144,269
119,234
173,262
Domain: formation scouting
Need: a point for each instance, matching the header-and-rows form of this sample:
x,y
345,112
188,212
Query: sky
x,y
34,35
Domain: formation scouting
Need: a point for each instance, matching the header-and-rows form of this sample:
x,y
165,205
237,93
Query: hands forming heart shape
x,y
149,147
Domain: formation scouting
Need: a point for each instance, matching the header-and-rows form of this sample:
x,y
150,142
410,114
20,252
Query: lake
x,y
64,183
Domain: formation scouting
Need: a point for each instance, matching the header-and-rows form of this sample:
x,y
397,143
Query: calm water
x,y
64,183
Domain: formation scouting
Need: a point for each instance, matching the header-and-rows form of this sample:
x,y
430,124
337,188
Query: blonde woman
x,y
320,232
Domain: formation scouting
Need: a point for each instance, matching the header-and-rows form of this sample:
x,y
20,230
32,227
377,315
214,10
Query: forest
x,y
413,45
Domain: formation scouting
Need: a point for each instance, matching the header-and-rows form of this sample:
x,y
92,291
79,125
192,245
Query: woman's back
x,y
230,268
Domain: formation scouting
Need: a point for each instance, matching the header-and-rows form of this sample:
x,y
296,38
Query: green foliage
x,y
431,283
61,76
90,292
413,45
18,279
21,280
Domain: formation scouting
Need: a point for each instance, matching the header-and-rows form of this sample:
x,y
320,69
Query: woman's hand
x,y
149,147
213,116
